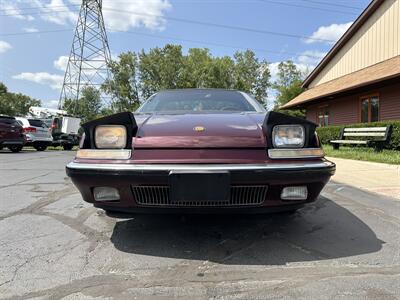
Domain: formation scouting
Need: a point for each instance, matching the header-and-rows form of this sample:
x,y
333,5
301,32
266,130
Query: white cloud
x,y
54,12
311,57
30,29
329,33
10,7
53,80
305,62
143,13
4,46
61,63
273,68
51,104
116,17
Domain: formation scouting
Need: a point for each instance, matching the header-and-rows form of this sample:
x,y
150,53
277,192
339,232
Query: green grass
x,y
364,153
51,148
59,148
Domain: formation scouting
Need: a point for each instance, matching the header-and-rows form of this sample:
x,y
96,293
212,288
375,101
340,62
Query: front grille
x,y
151,195
244,195
248,194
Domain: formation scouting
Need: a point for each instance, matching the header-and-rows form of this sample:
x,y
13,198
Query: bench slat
x,y
364,134
365,129
349,142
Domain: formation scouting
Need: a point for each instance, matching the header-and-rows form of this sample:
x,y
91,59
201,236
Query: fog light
x,y
104,193
294,193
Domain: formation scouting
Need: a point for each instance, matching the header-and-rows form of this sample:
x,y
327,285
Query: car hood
x,y
230,130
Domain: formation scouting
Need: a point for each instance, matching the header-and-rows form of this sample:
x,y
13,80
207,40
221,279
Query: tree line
x,y
15,104
137,75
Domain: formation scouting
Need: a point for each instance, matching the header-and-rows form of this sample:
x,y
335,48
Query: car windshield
x,y
194,101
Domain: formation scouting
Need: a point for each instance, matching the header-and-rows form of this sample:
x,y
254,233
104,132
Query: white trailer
x,y
70,125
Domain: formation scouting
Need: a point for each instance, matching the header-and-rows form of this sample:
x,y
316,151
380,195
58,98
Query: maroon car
x,y
200,150
11,134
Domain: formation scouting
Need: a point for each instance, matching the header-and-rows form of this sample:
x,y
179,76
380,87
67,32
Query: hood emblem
x,y
199,129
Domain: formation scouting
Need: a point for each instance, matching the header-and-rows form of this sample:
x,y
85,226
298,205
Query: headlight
x,y
292,136
110,137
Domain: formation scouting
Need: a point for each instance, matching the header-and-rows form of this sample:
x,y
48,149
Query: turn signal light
x,y
103,154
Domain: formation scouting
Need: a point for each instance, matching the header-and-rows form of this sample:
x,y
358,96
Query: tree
x,y
137,76
15,104
251,75
3,89
124,85
288,86
220,73
160,69
196,68
88,107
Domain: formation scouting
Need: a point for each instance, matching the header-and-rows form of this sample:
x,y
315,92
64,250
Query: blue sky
x,y
32,61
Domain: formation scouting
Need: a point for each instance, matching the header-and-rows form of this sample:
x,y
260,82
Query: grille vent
x,y
250,195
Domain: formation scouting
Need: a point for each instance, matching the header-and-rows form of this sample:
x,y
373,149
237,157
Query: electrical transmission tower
x,y
90,54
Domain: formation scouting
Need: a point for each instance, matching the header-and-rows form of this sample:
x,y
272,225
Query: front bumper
x,y
127,177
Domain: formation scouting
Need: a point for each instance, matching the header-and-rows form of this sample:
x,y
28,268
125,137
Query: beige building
x,y
359,79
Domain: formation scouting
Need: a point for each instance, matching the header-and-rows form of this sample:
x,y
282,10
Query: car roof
x,y
198,89
28,118
6,117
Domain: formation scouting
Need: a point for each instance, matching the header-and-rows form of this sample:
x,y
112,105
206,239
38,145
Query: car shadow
x,y
319,231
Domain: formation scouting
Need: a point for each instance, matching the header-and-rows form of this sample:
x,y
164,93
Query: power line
x,y
210,24
194,22
332,4
219,44
265,1
175,38
39,7
35,32
38,13
309,7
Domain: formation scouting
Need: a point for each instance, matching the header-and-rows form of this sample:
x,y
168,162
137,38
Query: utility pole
x,y
90,54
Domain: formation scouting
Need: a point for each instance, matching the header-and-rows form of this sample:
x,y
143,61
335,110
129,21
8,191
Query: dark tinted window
x,y
199,101
374,109
5,120
37,123
370,109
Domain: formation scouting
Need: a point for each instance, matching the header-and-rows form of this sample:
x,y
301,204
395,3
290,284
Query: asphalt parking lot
x,y
55,246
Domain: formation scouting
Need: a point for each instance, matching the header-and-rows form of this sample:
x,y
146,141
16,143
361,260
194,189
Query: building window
x,y
323,116
370,109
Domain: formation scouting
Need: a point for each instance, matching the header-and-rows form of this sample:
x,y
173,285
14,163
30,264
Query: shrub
x,y
329,133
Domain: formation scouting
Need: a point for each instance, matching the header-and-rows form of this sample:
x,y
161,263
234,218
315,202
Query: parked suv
x,y
11,134
37,133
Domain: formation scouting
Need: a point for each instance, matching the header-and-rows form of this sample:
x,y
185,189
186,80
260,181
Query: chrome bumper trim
x,y
201,167
296,153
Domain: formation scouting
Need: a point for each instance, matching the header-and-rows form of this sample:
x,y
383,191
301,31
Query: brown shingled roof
x,y
381,71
